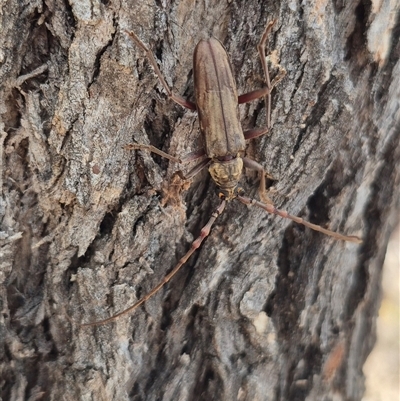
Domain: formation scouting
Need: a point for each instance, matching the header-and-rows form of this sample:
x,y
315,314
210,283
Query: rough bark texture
x,y
265,310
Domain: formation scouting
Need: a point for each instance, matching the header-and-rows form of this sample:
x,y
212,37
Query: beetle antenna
x,y
205,231
283,213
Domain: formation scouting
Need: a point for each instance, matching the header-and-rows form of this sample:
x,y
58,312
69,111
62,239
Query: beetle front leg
x,y
192,156
253,165
196,169
176,98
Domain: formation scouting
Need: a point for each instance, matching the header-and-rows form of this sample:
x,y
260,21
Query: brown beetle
x,y
217,106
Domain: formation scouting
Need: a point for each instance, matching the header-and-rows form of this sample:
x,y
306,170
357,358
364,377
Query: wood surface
x,y
266,309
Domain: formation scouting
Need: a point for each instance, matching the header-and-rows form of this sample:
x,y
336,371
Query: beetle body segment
x,y
217,101
226,174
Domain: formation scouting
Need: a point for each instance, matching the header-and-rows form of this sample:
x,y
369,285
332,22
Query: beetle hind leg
x,y
175,97
266,91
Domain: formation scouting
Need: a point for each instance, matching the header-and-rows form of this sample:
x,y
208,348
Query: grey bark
x,y
266,309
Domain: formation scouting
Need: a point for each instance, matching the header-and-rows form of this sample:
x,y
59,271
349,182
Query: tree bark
x,y
265,309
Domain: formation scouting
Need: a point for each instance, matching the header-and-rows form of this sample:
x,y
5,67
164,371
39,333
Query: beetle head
x,y
226,174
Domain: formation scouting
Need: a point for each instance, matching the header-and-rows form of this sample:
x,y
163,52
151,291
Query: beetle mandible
x,y
224,140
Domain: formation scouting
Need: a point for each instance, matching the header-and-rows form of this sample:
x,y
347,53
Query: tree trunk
x,y
266,309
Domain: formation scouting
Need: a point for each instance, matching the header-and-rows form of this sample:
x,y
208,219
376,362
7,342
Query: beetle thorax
x,y
226,174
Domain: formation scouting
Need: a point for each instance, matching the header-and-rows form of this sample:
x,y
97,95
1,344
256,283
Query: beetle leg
x,y
176,98
185,159
266,91
205,231
196,169
255,132
261,52
193,155
172,191
253,165
253,95
283,213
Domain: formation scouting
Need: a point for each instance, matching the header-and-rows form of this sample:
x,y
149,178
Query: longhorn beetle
x,y
217,106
